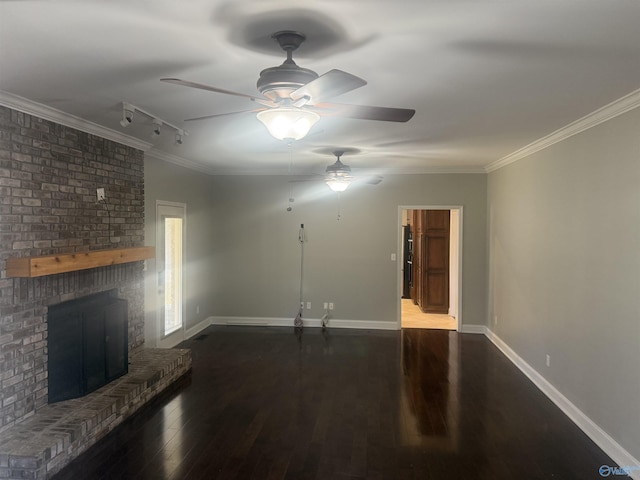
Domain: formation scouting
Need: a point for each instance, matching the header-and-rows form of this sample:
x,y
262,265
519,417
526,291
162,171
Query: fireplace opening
x,y
87,344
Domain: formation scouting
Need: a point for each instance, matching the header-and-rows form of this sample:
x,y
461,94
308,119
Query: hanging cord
x,y
339,206
291,199
325,318
106,207
301,238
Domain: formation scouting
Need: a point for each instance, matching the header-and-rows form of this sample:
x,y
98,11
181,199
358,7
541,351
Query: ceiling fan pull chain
x,y
291,199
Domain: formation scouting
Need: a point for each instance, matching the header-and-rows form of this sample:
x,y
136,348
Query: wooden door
x,y
435,261
417,288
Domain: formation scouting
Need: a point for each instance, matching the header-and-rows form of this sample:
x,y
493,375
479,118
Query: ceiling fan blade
x,y
206,117
306,178
201,86
375,180
331,84
364,112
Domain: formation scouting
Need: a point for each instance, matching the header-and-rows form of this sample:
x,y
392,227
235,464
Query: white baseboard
x,y
306,322
593,431
196,329
312,323
477,329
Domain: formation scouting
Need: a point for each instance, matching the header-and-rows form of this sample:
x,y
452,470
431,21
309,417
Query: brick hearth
x,y
47,441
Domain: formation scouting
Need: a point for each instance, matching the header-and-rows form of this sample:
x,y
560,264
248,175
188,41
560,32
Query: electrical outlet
x,y
326,305
308,305
393,257
331,305
100,194
548,360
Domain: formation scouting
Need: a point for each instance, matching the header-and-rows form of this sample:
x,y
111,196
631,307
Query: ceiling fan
x,y
294,98
338,175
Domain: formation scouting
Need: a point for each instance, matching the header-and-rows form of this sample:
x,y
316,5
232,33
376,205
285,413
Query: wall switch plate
x,y
326,305
197,309
393,257
331,305
548,360
308,305
100,194
495,319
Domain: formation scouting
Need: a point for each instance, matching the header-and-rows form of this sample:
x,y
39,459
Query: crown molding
x,y
156,154
57,116
432,170
612,110
176,160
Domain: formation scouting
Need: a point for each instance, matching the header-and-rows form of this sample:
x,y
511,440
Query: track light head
x,y
127,117
157,124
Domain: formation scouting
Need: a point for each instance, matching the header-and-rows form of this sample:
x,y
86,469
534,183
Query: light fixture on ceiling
x,y
338,175
127,114
338,184
128,110
288,123
157,125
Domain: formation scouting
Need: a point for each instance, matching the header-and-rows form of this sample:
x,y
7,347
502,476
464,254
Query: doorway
x,y
170,241
430,266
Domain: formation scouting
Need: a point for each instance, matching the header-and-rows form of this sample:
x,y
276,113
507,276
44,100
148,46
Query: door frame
x,y
174,338
459,209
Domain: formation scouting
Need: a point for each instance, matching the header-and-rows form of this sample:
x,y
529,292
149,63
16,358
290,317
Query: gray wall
x,y
164,181
564,227
347,261
247,252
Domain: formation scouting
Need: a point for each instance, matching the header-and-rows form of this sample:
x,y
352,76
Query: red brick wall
x,y
48,179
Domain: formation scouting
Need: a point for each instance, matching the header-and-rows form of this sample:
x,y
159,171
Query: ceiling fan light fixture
x,y
338,184
288,123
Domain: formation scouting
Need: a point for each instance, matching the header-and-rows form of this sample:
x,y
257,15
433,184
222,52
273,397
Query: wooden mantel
x,y
52,264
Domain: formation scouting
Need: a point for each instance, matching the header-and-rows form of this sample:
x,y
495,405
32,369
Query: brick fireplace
x,y
49,174
48,179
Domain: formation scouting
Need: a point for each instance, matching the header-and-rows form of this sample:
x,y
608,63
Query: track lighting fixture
x,y
128,111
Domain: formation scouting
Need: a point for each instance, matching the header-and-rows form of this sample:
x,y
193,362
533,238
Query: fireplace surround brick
x,y
48,179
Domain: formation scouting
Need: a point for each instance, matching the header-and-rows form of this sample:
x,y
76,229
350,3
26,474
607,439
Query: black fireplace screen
x,y
87,344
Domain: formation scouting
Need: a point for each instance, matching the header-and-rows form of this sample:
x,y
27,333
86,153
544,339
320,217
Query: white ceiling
x,y
485,78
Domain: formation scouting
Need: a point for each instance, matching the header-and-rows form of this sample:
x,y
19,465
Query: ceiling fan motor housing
x,y
277,83
338,169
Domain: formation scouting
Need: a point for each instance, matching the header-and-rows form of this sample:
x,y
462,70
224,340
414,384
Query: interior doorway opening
x,y
430,266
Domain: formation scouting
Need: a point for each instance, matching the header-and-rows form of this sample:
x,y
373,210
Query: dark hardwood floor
x,y
266,403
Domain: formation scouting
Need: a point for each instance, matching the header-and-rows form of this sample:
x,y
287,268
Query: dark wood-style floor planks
x,y
270,403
